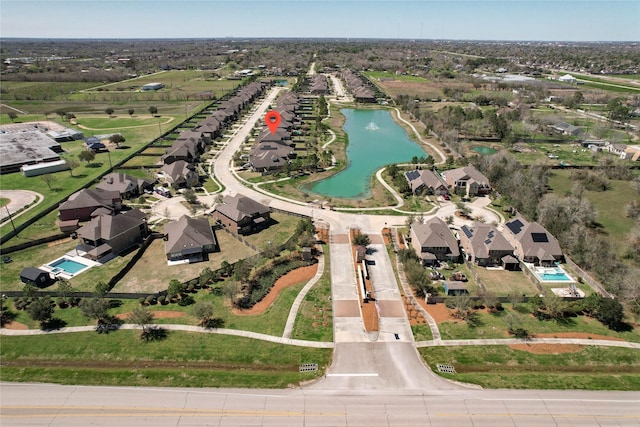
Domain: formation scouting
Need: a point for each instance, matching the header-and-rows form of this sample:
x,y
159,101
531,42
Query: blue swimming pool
x,y
67,265
552,274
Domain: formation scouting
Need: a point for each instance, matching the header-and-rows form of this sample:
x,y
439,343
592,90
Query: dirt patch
x,y
547,348
439,312
294,277
579,335
160,314
16,326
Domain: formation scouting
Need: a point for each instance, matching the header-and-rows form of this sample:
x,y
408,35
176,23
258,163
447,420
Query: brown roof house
x,y
242,215
107,236
82,204
484,245
532,242
467,180
269,156
433,242
128,186
426,182
180,174
188,240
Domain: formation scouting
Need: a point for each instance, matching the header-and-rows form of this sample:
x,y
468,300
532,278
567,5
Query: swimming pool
x,y
551,274
68,266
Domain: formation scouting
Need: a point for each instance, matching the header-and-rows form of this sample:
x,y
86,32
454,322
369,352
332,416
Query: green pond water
x,y
484,150
375,140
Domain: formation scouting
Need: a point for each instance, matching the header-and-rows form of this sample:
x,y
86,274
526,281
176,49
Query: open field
x,y
591,368
180,360
609,205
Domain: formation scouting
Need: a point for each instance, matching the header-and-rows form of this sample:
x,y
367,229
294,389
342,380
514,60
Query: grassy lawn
x,y
32,257
504,283
592,368
609,205
315,317
180,360
277,233
152,274
495,325
388,75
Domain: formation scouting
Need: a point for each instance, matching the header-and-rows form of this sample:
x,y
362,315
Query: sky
x,y
539,20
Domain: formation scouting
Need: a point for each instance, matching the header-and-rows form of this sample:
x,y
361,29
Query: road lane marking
x,y
373,374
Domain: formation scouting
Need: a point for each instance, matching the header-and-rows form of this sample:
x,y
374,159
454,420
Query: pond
x,y
375,140
484,150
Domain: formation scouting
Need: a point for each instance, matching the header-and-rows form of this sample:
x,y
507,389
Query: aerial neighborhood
x,y
405,194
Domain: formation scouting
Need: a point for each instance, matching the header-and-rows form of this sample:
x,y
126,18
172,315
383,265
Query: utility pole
x,y
11,219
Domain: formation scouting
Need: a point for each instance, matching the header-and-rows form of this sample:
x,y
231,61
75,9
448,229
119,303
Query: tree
x,y
203,310
226,269
361,240
72,164
48,179
230,289
190,196
64,290
117,139
87,156
61,113
101,290
153,110
12,115
41,310
95,308
109,111
175,288
142,317
70,116
131,111
618,111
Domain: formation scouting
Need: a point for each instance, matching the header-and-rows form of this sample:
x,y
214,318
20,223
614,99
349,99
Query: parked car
x,y
162,191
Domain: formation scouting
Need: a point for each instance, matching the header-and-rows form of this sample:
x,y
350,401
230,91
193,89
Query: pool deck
x,y
535,271
74,255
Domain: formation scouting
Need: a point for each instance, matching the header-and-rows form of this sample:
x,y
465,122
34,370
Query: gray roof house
x,y
241,214
484,244
107,236
467,180
82,204
180,174
267,156
532,242
188,240
427,182
128,186
433,241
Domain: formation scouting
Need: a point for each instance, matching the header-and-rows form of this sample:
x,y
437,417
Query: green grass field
x,y
609,205
592,368
180,360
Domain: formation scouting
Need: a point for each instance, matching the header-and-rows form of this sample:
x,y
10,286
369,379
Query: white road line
x,y
354,375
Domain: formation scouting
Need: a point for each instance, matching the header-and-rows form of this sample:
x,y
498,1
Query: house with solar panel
x,y
485,246
426,182
532,242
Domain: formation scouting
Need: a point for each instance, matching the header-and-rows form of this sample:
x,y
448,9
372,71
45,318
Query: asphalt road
x,y
54,405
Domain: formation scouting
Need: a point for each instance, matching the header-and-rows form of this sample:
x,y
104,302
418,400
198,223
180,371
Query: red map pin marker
x,y
273,120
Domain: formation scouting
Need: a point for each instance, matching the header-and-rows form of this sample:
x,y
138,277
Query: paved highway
x,y
54,405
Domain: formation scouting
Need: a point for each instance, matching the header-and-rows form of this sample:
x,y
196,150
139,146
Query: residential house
x,y
36,277
185,149
632,152
269,156
128,186
467,180
433,242
82,205
188,240
426,182
484,245
241,214
180,174
107,236
566,129
532,242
